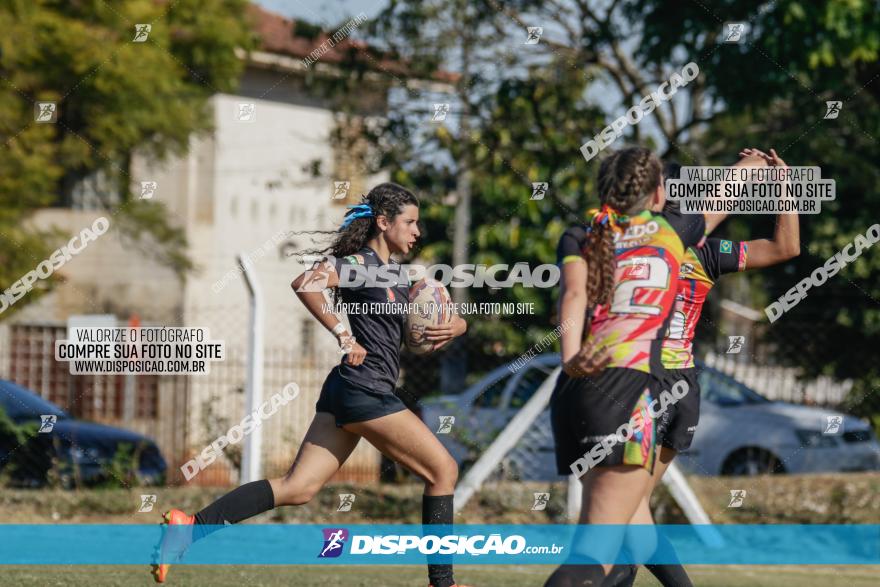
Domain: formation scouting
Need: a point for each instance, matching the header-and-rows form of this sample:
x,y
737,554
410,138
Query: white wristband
x,y
339,329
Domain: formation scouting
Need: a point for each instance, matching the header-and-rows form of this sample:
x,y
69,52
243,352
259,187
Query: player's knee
x,y
444,475
298,493
451,472
300,497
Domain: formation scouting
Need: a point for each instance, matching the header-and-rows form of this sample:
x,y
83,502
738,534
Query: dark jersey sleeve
x,y
349,268
571,243
691,228
720,256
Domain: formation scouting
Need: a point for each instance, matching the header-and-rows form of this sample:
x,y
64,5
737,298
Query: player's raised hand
x,y
751,152
751,157
774,159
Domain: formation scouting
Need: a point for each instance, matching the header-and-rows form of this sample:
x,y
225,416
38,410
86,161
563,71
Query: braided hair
x,y
626,179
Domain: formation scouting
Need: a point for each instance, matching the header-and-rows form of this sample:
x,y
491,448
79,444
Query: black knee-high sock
x,y
239,504
437,509
621,576
577,576
672,574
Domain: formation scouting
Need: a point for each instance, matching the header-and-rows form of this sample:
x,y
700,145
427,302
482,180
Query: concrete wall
x,y
246,186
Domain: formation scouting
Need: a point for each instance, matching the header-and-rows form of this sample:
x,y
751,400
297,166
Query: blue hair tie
x,y
359,211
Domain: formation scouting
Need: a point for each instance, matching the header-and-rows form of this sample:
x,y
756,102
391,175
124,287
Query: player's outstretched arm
x,y
309,288
786,241
748,158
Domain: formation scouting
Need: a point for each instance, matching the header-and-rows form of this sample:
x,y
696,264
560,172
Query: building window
x,y
32,365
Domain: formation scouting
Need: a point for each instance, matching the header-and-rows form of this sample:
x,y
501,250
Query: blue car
x,y
82,450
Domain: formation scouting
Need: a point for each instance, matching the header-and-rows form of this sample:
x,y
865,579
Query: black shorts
x,y
586,411
677,425
350,403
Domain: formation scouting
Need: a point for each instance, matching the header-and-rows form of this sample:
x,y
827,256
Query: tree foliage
x,y
115,97
774,88
533,108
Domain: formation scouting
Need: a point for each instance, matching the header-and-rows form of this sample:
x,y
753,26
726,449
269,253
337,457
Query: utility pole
x,y
454,367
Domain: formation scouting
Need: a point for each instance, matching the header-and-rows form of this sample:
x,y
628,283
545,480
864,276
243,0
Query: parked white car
x,y
740,431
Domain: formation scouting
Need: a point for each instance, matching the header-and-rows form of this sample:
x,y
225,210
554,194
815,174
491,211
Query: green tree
x,y
114,98
773,88
532,112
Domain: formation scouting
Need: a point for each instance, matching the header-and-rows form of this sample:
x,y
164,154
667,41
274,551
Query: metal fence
x,y
782,383
183,414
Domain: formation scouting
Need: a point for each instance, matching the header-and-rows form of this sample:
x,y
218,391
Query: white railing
x,y
782,383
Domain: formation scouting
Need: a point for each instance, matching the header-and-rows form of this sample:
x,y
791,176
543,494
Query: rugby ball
x,y
429,305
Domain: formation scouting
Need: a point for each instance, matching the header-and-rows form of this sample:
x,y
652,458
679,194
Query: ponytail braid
x,y
626,178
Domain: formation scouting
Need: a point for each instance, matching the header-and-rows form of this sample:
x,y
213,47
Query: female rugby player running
x,y
357,399
699,271
622,266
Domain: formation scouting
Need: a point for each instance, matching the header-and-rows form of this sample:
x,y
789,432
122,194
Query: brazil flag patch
x,y
726,246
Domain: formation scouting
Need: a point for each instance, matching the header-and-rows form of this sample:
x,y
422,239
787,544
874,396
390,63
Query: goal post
x,y
505,441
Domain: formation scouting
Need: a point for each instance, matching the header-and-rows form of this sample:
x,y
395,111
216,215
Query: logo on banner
x,y
334,540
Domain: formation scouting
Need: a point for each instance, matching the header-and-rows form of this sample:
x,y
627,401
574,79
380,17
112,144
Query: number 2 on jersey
x,y
639,274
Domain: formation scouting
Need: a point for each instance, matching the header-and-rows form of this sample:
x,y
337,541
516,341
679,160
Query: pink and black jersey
x,y
697,275
649,248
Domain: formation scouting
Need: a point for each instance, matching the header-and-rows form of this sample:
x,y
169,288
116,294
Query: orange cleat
x,y
174,547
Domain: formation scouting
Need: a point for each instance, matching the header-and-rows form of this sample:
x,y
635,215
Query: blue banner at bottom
x,y
277,544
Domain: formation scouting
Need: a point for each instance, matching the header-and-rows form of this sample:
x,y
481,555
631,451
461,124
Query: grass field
x,y
375,576
841,499
852,498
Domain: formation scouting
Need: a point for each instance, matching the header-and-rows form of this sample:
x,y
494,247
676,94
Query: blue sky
x,y
335,12
323,11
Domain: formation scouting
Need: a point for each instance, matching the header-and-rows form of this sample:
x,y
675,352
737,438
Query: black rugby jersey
x,y
380,331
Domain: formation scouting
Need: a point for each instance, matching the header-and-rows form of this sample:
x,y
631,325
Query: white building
x,y
244,187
